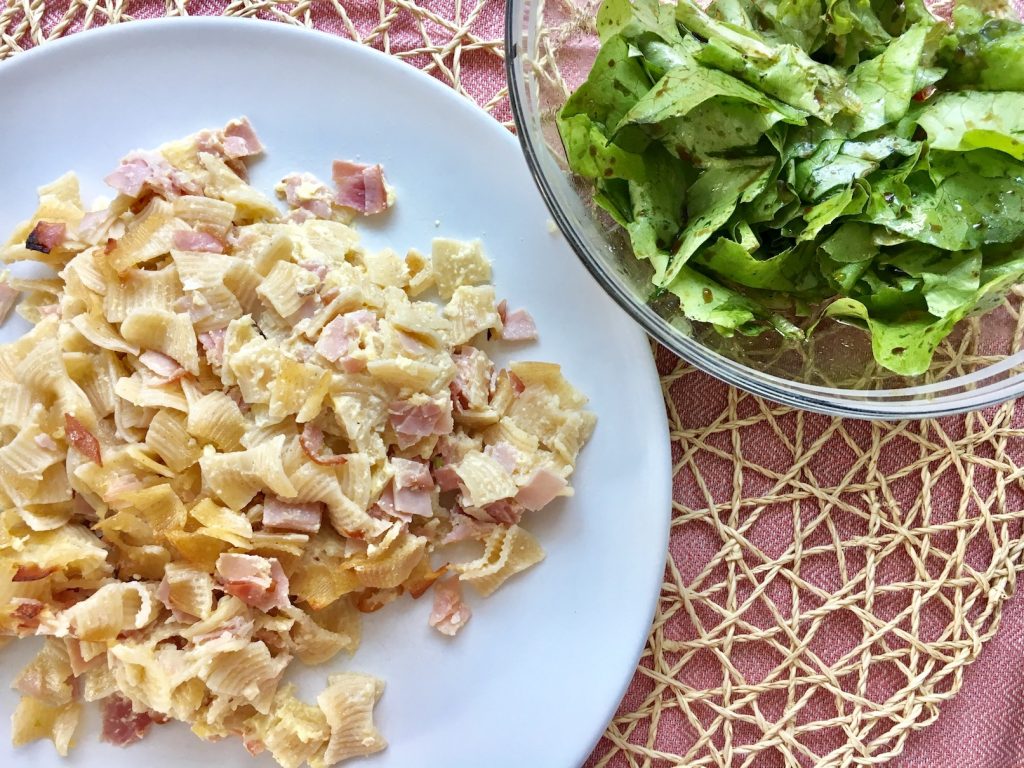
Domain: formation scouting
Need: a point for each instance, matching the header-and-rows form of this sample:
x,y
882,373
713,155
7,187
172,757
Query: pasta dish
x,y
232,431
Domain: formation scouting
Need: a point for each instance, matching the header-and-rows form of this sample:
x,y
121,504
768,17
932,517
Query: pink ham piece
x,y
384,507
81,439
255,580
414,475
130,177
413,488
298,215
237,140
449,613
448,450
447,478
307,194
197,312
237,626
289,516
312,442
46,236
517,384
504,511
80,507
240,139
517,325
505,454
360,187
540,489
305,311
31,572
203,242
8,298
412,422
150,170
122,725
26,611
341,336
213,345
165,368
466,528
471,385
320,270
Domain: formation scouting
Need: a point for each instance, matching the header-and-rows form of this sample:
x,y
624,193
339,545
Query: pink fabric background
x,y
983,727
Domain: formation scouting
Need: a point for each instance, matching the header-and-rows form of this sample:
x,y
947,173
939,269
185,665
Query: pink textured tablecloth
x,y
983,726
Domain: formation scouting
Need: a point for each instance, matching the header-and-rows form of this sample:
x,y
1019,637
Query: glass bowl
x,y
550,47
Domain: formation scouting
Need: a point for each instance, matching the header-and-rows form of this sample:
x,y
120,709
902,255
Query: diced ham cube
x,y
340,337
213,345
165,368
290,516
46,236
255,580
542,487
8,298
240,139
139,171
447,478
449,612
122,725
312,442
466,528
413,421
81,439
184,240
517,325
505,454
360,187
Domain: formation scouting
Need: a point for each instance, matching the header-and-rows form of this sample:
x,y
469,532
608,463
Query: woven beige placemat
x,y
828,581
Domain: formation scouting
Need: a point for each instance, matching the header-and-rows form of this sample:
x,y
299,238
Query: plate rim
x,y
659,473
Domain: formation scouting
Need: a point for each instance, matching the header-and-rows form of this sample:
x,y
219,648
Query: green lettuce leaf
x,y
982,53
712,200
856,30
592,155
782,71
886,84
962,202
976,120
704,300
617,81
852,243
792,271
949,279
838,163
799,23
687,87
657,206
905,344
629,19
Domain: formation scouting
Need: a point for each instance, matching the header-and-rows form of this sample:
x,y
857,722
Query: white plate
x,y
535,676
